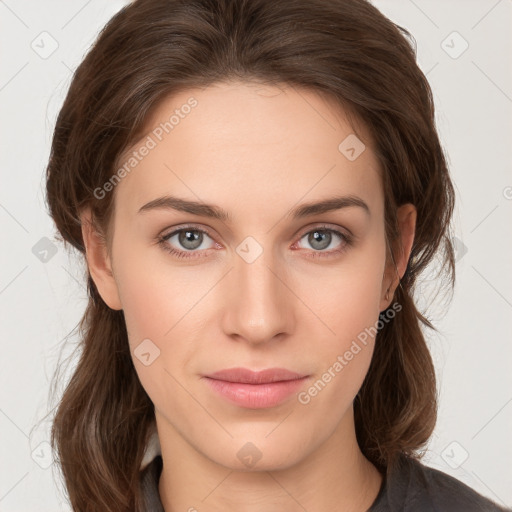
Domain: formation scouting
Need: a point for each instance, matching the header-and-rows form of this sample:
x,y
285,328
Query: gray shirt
x,y
410,487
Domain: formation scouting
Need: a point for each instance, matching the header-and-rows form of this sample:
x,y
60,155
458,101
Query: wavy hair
x,y
343,49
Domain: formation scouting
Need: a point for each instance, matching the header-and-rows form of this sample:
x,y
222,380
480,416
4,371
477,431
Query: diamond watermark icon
x,y
44,250
249,250
249,454
454,45
42,455
459,247
146,352
454,455
45,45
351,147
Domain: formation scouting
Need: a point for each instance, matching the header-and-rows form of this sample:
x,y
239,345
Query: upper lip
x,y
246,376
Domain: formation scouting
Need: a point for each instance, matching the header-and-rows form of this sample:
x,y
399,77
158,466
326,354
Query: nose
x,y
260,305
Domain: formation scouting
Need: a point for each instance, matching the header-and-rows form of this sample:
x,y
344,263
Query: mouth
x,y
255,389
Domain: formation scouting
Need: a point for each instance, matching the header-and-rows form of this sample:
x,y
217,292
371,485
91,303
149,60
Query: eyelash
x,y
347,241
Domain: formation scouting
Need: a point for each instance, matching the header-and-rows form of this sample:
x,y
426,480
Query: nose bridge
x,y
261,304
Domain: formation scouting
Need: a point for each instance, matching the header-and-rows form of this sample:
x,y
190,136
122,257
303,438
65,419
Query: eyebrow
x,y
208,210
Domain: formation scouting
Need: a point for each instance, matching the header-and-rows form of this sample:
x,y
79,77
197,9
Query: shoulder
x,y
413,487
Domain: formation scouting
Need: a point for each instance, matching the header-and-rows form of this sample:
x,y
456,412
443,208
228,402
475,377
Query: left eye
x,y
322,238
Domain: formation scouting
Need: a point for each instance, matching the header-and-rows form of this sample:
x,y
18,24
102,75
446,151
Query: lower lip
x,y
256,396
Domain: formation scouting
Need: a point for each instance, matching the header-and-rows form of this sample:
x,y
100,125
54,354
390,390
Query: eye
x,y
188,239
324,237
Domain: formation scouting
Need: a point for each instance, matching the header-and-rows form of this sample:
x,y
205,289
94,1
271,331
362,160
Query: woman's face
x,y
262,287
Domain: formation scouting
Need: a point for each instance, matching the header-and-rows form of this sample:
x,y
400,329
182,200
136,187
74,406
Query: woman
x,y
255,186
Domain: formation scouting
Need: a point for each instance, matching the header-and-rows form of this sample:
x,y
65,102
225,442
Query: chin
x,y
253,453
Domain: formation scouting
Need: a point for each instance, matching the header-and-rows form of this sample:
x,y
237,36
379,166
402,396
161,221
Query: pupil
x,y
190,239
321,237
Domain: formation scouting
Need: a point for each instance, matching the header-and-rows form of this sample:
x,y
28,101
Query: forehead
x,y
240,143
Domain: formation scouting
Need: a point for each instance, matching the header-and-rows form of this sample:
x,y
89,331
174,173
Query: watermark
x,y
42,455
45,45
351,147
249,249
459,248
454,45
146,352
44,249
144,149
455,455
249,454
305,397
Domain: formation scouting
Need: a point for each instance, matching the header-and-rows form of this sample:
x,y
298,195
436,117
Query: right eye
x,y
188,238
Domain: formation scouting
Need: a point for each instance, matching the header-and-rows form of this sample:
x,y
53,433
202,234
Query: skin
x,y
256,151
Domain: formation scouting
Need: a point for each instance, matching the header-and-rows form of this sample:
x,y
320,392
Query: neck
x,y
335,476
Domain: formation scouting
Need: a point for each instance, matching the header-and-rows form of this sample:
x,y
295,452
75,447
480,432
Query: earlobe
x,y
98,262
397,265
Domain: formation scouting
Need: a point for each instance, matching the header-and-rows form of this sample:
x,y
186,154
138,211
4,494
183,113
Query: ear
x,y
406,216
99,262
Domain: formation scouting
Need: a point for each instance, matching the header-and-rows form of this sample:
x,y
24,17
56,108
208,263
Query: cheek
x,y
147,296
343,357
347,297
152,314
349,306
152,294
161,306
146,305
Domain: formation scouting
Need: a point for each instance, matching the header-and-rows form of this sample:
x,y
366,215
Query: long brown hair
x,y
344,49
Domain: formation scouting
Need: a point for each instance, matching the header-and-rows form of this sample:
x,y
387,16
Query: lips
x,y
255,389
246,376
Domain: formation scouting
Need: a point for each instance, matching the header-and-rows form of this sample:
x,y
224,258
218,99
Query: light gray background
x,y
42,295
